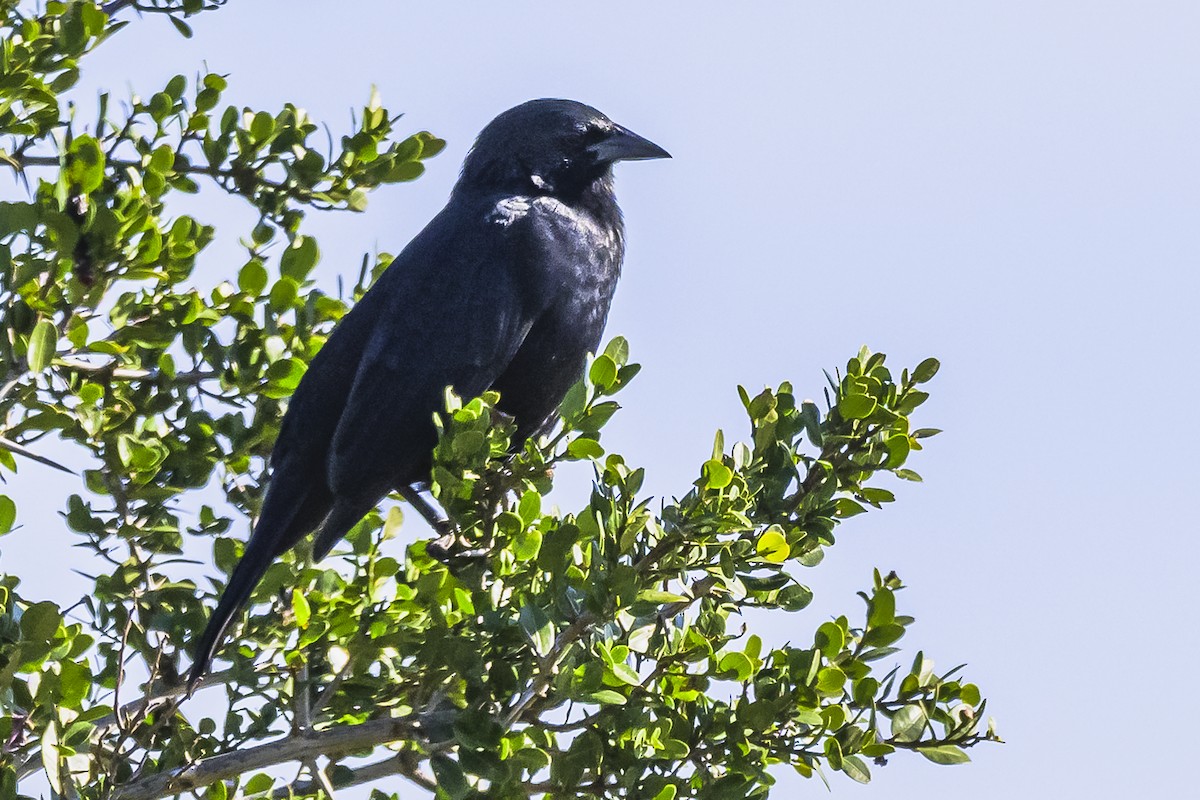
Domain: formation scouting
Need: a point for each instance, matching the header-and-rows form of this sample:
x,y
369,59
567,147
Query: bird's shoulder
x,y
545,215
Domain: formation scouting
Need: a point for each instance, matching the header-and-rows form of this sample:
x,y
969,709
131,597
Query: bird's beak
x,y
622,144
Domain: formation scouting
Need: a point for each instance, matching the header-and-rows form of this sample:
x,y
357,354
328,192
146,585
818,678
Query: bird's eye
x,y
593,134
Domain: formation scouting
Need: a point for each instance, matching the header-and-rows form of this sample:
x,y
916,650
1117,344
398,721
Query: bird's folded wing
x,y
455,327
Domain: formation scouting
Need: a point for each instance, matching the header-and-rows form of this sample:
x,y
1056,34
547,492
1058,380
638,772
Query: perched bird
x,y
508,288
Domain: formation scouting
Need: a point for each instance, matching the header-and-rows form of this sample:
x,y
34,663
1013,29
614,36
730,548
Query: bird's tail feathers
x,y
341,519
246,576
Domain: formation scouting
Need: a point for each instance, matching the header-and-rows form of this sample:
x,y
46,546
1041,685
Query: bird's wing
x,y
453,314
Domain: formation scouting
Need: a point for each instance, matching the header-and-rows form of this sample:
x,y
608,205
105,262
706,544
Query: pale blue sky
x,y
1010,186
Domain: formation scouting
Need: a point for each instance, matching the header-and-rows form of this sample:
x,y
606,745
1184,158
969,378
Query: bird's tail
x,y
246,575
342,517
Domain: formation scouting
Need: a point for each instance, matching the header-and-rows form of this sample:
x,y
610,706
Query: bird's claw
x,y
440,549
450,547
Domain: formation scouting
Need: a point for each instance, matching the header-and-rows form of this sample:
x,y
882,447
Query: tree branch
x,y
291,748
395,765
140,708
218,175
545,677
22,450
116,373
576,631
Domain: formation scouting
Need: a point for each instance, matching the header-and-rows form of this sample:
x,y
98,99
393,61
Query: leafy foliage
x,y
595,653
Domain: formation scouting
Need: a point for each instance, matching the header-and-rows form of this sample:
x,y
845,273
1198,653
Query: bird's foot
x,y
450,547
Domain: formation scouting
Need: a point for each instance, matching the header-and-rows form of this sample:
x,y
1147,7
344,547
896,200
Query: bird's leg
x,y
440,547
449,545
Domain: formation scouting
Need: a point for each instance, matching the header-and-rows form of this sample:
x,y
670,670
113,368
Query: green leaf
x,y
795,597
186,31
252,278
883,608
284,294
262,126
926,370
716,475
404,171
538,628
773,546
585,448
945,754
810,415
608,697
430,144
830,680
530,507
8,514
618,351
43,343
299,258
658,597
597,416
883,635
573,402
284,376
85,164
258,783
162,159
844,507
393,523
40,621
625,673
737,663
301,608
833,752
865,691
76,681
910,401
830,639
856,768
898,447
603,372
527,544
857,406
51,756
908,723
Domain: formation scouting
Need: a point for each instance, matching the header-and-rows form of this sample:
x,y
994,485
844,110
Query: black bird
x,y
508,288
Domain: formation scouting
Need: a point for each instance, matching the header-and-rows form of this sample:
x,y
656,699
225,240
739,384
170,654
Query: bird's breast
x,y
583,250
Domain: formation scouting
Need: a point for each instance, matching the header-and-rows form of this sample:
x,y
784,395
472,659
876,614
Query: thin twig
x,y
116,373
22,450
115,6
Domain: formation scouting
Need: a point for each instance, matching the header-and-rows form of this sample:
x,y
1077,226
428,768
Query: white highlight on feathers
x,y
510,210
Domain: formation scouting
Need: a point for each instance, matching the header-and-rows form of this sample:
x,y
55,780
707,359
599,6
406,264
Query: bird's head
x,y
551,147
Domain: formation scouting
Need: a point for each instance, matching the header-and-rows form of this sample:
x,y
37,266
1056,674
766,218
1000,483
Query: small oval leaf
x,y
43,342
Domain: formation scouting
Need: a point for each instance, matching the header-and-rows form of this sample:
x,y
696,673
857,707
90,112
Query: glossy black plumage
x,y
507,288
